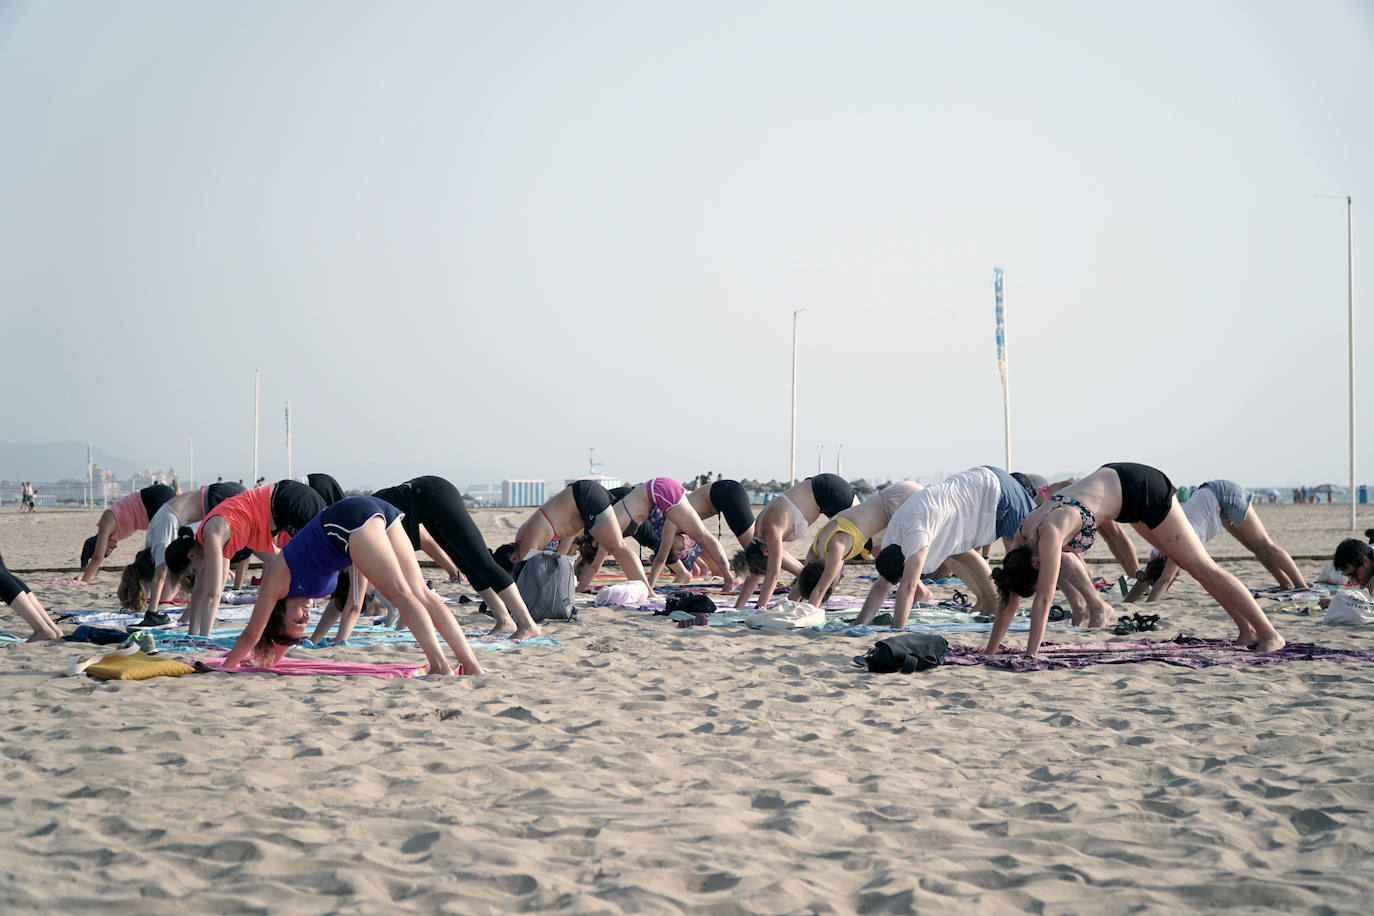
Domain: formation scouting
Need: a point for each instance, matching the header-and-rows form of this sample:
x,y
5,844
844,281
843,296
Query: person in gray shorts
x,y
1215,506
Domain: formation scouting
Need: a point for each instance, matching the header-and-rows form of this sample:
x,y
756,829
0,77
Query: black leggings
x,y
731,501
1146,494
438,506
11,586
293,506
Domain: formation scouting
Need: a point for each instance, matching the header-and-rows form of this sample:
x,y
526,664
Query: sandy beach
x,y
640,767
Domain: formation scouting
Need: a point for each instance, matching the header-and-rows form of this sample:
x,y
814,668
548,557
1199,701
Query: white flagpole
x,y
1002,364
792,465
1350,336
288,440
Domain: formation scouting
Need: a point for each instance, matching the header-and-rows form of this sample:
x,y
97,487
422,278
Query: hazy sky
x,y
478,239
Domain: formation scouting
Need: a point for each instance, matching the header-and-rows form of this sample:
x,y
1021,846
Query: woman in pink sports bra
x,y
123,518
669,497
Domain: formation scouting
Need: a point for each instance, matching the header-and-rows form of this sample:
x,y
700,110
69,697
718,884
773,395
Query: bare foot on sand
x,y
1272,644
524,633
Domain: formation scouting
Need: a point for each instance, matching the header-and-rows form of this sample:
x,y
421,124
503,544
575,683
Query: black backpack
x,y
546,583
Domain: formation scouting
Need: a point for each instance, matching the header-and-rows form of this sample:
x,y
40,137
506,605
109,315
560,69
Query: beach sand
x,y
646,768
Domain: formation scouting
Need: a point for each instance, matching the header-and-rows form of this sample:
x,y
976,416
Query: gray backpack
x,y
546,584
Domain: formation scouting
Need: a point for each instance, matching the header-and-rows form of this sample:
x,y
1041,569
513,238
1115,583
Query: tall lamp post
x,y
792,464
1350,336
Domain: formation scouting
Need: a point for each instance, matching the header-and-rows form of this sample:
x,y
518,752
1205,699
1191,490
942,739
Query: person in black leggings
x,y
437,522
17,595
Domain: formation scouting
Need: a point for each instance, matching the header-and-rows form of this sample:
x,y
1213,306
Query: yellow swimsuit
x,y
840,524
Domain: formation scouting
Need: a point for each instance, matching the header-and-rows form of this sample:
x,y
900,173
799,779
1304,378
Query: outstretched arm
x,y
909,589
746,588
770,575
155,591
874,602
1005,613
685,518
1048,552
103,533
834,563
665,547
584,581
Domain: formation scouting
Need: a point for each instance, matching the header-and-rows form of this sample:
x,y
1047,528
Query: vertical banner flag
x,y
1002,361
1001,326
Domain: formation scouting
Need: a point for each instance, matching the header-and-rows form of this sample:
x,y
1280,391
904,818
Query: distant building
x,y
522,492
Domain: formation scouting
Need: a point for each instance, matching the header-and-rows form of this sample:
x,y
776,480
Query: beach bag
x,y
787,615
689,602
1350,607
907,653
546,584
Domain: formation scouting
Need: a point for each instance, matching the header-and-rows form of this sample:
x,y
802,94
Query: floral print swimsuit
x,y
1087,535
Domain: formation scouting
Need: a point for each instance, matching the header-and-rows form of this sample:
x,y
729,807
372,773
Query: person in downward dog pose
x,y
723,497
145,579
1214,506
785,519
583,505
667,496
435,520
1069,521
358,532
949,522
251,520
128,514
846,536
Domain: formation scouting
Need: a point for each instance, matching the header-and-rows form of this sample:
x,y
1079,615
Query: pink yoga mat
x,y
290,665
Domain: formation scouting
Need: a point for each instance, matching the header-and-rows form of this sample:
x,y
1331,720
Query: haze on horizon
x,y
479,239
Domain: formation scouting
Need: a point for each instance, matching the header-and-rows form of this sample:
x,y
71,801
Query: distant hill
x,y
51,461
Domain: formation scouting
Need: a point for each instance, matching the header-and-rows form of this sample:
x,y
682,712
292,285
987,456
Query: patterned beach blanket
x,y
301,666
1184,651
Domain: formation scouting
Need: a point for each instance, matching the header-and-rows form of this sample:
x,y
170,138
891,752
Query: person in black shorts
x,y
583,505
1069,520
128,514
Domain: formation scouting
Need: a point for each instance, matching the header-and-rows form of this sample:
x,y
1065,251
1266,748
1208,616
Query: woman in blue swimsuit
x,y
361,532
1069,521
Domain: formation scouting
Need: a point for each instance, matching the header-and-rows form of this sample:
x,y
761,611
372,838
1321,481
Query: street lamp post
x,y
1350,336
792,464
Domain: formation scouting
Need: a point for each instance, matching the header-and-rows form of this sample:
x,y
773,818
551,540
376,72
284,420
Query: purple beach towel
x,y
1185,651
